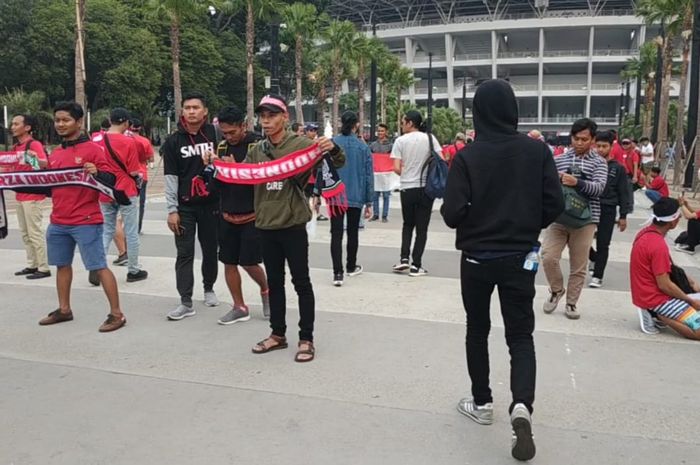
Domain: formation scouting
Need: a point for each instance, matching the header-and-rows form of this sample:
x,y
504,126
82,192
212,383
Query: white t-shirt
x,y
647,152
413,150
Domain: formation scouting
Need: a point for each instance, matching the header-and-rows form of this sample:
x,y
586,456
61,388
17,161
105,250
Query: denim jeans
x,y
130,216
385,208
652,195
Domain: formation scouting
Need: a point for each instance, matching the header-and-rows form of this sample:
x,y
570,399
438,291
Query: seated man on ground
x,y
653,291
657,187
686,242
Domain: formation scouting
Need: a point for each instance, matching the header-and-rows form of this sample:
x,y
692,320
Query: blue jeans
x,y
130,216
385,208
62,239
652,195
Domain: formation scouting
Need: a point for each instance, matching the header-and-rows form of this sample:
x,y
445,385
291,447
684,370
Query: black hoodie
x,y
502,189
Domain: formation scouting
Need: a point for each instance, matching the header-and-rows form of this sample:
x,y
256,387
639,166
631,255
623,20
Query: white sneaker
x,y
210,299
180,312
551,304
596,283
646,322
523,447
357,271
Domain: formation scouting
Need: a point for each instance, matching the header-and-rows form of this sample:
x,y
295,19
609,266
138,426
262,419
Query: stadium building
x,y
563,57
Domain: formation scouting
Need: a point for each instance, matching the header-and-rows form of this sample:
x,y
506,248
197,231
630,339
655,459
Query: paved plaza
x,y
389,370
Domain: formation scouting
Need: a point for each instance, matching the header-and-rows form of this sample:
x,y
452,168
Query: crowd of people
x,y
571,198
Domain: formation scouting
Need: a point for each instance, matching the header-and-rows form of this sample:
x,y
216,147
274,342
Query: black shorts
x,y
239,244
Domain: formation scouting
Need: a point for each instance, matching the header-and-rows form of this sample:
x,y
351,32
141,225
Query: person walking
x,y
146,155
384,182
498,224
585,174
358,176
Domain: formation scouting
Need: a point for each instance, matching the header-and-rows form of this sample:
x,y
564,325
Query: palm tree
x,y
400,80
337,36
645,68
686,33
176,10
302,22
319,80
362,51
80,53
386,69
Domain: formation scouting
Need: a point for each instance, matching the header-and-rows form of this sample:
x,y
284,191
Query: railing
x,y
566,53
615,52
567,119
473,56
425,58
524,87
565,87
519,54
605,86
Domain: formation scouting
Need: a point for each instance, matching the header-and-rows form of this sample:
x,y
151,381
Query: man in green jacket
x,y
281,214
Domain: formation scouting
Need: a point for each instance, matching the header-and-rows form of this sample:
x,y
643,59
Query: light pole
x,y
373,93
274,55
692,131
464,98
429,123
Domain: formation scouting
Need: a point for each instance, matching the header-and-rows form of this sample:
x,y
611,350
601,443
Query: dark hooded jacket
x,y
502,189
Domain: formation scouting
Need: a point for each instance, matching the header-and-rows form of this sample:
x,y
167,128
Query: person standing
x,y
647,153
146,155
122,153
76,218
628,156
410,153
29,206
358,176
281,214
582,169
192,210
384,182
498,224
614,196
239,240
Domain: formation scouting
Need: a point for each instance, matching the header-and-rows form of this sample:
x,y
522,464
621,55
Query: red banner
x,y
383,163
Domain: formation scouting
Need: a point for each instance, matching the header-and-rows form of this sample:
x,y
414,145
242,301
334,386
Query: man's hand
x,y
325,144
622,224
209,157
634,179
90,168
368,212
569,180
174,223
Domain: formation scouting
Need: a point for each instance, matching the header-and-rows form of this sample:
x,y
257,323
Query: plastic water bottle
x,y
532,260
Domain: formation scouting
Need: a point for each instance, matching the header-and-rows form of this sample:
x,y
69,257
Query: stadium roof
x,y
420,12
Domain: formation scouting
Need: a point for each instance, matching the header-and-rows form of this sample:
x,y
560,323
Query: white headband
x,y
665,219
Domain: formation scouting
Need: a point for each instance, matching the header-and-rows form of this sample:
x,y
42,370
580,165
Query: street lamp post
x,y
464,98
274,55
694,96
430,92
373,94
622,104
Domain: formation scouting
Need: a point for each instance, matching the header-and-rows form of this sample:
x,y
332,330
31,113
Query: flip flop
x,y
310,351
261,348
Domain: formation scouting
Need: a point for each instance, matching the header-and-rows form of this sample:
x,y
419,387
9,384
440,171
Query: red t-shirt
x,y
628,159
650,258
127,149
145,153
452,150
618,152
36,147
73,206
659,185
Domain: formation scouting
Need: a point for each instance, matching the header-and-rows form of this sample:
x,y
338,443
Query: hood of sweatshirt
x,y
495,110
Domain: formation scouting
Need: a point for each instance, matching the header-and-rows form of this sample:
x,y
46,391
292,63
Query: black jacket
x,y
503,189
616,190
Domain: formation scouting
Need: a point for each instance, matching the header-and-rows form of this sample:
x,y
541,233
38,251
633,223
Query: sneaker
x,y
523,442
551,304
210,299
358,270
482,414
374,218
596,283
93,278
121,260
401,267
39,275
56,317
26,271
266,303
659,324
416,271
646,322
337,279
140,275
685,248
571,312
321,217
112,323
235,315
180,312
385,220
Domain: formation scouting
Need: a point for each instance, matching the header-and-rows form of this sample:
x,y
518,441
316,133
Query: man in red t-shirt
x,y
76,218
653,291
145,157
122,153
626,154
450,151
658,187
29,206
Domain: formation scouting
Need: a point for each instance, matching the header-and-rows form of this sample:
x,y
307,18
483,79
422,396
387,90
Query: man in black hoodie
x,y
191,209
498,223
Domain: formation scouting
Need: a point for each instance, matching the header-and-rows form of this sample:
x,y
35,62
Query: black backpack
x,y
436,177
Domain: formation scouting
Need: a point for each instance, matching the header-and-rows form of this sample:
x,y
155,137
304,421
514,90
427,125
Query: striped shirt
x,y
592,173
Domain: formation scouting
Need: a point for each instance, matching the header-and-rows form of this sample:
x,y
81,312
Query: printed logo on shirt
x,y
78,160
196,150
275,186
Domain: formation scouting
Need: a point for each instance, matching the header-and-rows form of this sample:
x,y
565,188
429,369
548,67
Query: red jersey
x,y
127,149
145,153
628,159
650,258
36,147
659,185
73,206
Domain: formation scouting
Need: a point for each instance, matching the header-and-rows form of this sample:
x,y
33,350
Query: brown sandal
x,y
310,350
264,347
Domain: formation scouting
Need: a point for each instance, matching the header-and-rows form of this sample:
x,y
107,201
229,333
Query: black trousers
x,y
693,234
416,209
291,246
204,221
604,233
630,191
142,204
353,228
516,291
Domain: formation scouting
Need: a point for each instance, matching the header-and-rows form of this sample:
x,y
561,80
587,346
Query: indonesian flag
x,y
384,177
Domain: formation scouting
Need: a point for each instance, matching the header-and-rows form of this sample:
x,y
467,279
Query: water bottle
x,y
532,260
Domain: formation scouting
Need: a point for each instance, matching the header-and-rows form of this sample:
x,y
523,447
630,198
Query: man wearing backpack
x,y
583,174
410,153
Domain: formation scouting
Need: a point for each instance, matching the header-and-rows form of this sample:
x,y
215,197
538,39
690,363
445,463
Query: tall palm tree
x,y
337,36
400,80
686,33
644,67
319,80
362,51
302,22
386,69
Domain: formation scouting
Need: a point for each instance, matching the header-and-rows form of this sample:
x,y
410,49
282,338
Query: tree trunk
x,y
382,89
398,110
250,56
649,96
175,53
322,103
80,55
336,102
662,142
298,77
679,152
361,96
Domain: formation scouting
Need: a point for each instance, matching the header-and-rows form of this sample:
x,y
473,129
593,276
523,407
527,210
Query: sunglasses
x,y
626,143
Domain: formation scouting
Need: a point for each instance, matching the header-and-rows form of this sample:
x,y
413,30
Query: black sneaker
x,y
416,271
121,260
337,279
138,276
26,271
356,271
401,267
39,275
93,278
374,218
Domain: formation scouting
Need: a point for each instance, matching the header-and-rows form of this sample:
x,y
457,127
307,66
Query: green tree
x,y
362,50
644,67
401,79
447,122
337,36
20,102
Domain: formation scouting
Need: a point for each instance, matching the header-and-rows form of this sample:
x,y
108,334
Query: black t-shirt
x,y
236,198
